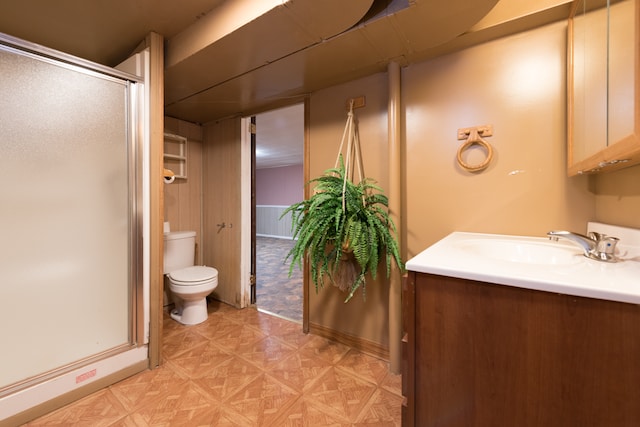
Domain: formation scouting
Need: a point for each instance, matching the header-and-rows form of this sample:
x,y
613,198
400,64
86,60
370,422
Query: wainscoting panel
x,y
269,224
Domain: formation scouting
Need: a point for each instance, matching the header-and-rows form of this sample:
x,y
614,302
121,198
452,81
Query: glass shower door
x,y
68,197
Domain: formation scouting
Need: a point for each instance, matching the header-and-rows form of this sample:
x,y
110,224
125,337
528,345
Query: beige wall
x,y
517,85
183,198
618,197
365,319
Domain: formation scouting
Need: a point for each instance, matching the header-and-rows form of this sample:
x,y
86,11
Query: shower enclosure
x,y
70,220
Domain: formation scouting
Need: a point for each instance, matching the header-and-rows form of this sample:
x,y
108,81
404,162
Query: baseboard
x,y
368,347
275,236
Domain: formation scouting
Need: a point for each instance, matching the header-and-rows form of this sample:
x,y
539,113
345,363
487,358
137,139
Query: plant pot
x,y
346,272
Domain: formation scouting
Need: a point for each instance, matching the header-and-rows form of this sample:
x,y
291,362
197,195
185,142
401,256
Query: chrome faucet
x,y
596,246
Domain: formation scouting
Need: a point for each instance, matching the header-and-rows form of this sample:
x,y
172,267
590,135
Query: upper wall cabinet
x,y
603,86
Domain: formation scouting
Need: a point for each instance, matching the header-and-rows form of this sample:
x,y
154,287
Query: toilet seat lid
x,y
196,273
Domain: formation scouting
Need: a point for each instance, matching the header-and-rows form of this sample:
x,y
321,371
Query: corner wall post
x,y
395,203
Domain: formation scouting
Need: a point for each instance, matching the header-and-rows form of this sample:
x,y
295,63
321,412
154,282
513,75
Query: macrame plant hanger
x,y
352,155
352,158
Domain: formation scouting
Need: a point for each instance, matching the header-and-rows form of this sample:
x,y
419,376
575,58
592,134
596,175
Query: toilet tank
x,y
179,250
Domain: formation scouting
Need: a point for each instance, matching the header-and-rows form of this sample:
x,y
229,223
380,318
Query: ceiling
x,y
299,47
241,57
103,31
230,57
280,137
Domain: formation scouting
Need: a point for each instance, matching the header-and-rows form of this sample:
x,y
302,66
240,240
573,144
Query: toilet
x,y
190,284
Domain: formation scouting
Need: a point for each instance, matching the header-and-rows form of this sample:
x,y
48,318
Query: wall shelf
x,y
175,154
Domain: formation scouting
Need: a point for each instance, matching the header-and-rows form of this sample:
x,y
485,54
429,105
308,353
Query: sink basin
x,y
534,263
522,250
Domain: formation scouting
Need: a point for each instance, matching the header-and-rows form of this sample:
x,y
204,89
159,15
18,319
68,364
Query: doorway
x,y
279,182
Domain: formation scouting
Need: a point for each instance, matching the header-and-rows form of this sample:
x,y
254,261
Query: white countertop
x,y
457,256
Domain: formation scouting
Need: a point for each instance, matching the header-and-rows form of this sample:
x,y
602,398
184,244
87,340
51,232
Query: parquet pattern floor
x,y
245,368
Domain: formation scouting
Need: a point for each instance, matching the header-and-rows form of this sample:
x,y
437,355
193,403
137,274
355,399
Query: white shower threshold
x,y
41,393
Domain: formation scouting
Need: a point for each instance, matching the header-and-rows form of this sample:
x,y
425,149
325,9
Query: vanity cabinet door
x,y
495,355
603,86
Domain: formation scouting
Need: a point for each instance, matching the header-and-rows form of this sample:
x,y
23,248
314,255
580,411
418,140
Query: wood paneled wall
x,y
183,198
271,223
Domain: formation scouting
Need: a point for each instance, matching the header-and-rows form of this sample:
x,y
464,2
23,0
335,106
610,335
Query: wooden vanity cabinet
x,y
486,355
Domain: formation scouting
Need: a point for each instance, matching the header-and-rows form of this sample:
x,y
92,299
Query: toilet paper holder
x,y
168,176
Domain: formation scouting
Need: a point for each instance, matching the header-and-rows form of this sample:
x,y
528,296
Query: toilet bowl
x,y
190,286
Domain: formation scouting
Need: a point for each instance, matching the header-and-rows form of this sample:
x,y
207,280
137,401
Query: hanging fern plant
x,y
343,220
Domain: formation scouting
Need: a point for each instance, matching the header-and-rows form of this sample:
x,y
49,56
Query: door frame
x,y
248,253
246,208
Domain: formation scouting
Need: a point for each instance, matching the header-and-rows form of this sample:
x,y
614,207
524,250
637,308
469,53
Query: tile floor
x,y
245,368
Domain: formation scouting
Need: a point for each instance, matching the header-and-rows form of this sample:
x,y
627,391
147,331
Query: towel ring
x,y
475,139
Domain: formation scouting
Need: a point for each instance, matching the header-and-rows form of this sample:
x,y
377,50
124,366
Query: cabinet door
x,y
494,355
603,86
408,349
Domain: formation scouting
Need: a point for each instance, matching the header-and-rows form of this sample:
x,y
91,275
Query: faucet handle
x,y
606,244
